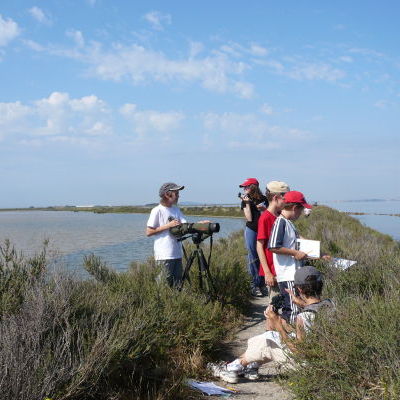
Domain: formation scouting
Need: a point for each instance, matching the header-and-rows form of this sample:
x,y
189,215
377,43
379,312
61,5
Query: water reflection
x,y
117,238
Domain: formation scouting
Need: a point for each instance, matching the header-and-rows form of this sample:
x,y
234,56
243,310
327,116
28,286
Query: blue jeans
x,y
253,264
171,271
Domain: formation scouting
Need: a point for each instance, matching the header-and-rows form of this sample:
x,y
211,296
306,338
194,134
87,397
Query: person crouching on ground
x,y
167,250
276,344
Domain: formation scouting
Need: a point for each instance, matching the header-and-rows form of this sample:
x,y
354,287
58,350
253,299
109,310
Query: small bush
x,y
356,355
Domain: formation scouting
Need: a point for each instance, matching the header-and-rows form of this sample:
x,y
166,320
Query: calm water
x,y
117,238
120,239
382,223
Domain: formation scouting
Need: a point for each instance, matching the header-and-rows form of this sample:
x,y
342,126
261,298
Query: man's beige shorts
x,y
266,347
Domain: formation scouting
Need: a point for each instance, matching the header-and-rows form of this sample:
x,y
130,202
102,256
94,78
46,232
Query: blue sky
x,y
103,101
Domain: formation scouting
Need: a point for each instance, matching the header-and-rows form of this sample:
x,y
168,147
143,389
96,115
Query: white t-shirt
x,y
284,234
166,247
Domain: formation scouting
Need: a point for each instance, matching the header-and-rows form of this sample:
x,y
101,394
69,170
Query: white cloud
x,y
346,59
195,49
258,50
77,37
315,71
254,146
244,89
140,65
34,45
39,15
266,109
248,130
157,20
9,30
147,121
13,117
56,115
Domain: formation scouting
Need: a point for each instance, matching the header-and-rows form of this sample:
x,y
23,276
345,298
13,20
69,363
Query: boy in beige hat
x,y
274,192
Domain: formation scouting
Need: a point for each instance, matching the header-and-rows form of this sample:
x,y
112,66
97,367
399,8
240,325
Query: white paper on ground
x,y
311,247
209,388
342,263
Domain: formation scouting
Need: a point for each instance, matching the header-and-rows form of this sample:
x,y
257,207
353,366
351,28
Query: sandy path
x,y
266,387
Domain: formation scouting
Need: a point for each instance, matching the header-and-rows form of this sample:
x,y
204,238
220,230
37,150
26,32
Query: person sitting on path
x,y
276,344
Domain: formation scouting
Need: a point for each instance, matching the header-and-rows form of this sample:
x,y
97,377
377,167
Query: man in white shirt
x,y
167,250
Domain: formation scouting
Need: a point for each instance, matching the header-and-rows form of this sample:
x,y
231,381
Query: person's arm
x,y
275,323
296,299
297,254
153,231
276,241
269,278
246,208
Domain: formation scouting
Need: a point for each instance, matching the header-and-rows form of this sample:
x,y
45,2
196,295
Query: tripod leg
x,y
204,270
185,275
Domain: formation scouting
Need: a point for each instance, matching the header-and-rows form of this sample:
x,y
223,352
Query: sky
x,y
102,101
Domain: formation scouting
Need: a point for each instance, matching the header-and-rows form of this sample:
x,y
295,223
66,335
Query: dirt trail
x,y
266,387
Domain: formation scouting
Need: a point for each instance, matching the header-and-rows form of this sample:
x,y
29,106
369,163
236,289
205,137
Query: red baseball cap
x,y
296,197
249,181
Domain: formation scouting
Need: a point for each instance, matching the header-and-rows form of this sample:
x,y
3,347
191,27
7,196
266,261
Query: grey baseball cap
x,y
166,187
307,274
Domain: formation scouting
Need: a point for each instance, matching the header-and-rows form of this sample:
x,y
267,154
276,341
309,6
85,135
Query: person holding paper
x,y
282,243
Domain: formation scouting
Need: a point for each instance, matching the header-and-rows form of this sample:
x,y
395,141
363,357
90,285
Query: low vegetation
x,y
125,336
356,354
117,336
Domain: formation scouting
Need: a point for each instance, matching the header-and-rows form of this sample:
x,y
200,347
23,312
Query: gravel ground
x,y
266,387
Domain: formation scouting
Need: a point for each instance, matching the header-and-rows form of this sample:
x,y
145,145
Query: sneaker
x,y
251,374
256,292
264,291
251,371
220,371
235,366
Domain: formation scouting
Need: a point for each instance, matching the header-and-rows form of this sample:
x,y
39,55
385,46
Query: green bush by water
x,y
120,336
355,355
123,336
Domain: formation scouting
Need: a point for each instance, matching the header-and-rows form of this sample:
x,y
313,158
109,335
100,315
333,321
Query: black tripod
x,y
206,283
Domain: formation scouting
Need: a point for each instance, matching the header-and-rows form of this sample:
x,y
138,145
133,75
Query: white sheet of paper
x,y
311,247
342,263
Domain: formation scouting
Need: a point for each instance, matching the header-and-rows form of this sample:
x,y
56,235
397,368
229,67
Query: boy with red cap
x,y
282,244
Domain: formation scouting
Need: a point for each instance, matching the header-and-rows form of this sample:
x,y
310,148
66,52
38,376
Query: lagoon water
x,y
383,223
118,239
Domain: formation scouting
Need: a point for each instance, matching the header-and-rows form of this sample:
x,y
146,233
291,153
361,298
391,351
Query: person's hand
x,y
270,280
246,198
174,222
296,299
272,318
261,207
300,255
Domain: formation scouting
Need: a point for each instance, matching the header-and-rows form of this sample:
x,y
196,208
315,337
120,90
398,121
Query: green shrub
x,y
356,355
116,336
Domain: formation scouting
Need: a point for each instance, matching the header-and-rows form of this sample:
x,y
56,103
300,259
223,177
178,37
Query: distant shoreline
x,y
228,211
